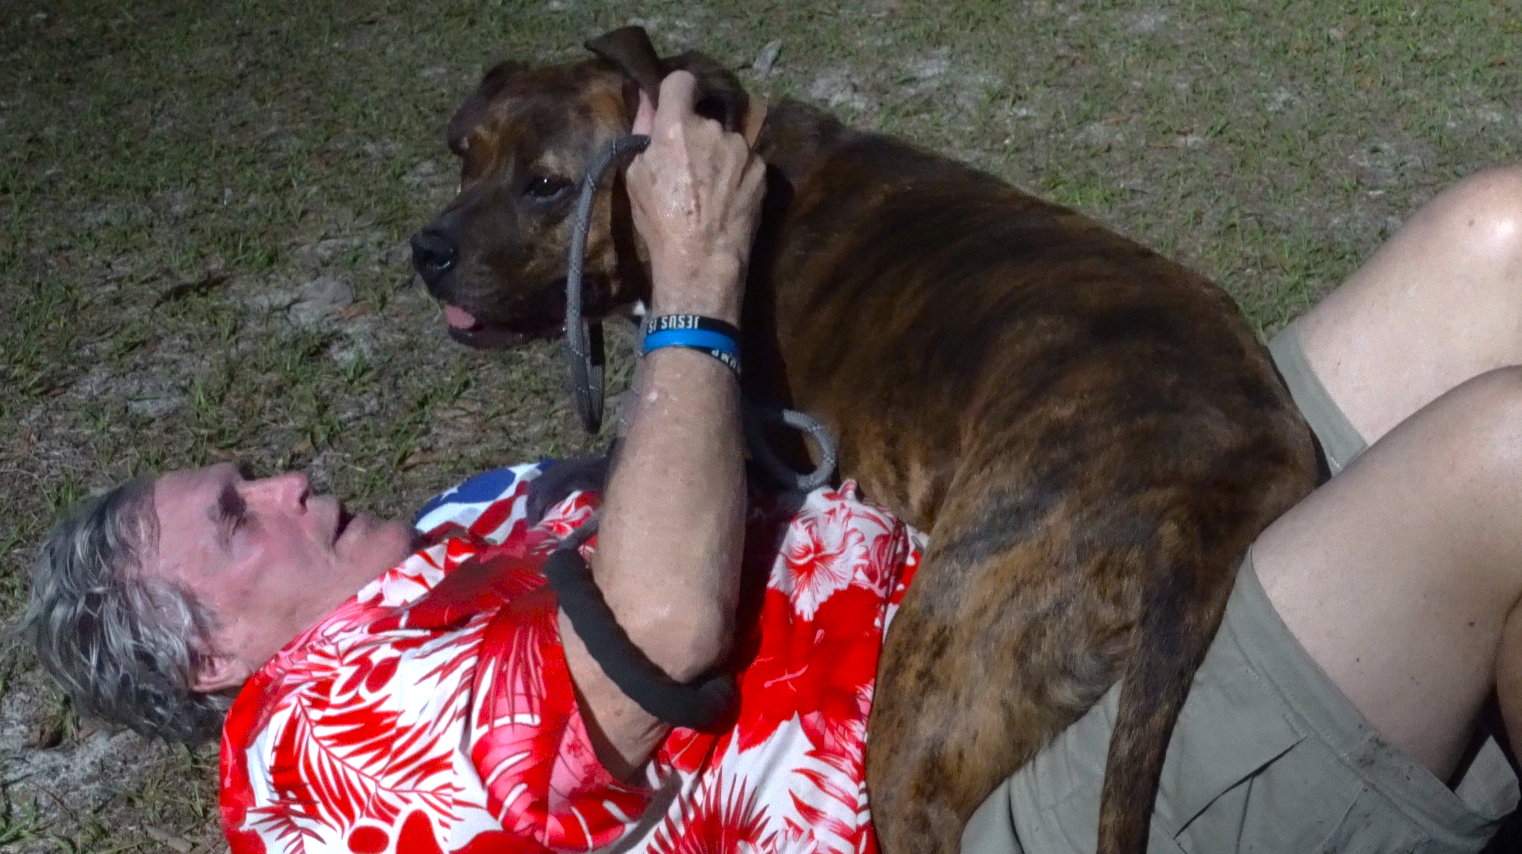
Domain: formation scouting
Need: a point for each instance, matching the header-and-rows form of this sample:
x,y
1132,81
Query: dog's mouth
x,y
517,321
459,318
466,328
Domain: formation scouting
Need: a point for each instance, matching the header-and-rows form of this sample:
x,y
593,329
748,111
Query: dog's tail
x,y
1178,623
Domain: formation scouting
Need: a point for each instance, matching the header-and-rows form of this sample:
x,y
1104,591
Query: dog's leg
x,y
1022,616
970,688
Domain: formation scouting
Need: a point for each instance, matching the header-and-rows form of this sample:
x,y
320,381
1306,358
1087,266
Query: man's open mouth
x,y
344,518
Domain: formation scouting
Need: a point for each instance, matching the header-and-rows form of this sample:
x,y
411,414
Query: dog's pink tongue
x,y
459,318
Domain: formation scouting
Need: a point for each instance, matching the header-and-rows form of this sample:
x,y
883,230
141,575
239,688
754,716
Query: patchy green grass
x,y
204,207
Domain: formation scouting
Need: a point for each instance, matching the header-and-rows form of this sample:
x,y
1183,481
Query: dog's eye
x,y
545,187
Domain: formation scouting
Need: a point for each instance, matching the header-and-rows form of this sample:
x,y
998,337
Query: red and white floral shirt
x,y
433,712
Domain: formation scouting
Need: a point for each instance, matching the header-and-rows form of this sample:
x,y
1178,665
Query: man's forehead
x,y
182,481
192,490
176,500
178,495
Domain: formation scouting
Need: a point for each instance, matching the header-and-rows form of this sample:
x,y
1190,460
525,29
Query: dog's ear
x,y
720,96
469,116
630,51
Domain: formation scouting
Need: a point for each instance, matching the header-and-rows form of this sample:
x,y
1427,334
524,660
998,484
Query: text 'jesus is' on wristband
x,y
663,322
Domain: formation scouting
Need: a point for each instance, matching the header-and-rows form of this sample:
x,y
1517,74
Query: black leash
x,y
698,703
694,704
583,341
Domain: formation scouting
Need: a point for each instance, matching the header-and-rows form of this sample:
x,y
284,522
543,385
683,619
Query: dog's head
x,y
496,257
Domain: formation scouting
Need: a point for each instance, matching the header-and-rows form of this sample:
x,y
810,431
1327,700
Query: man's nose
x,y
288,490
433,254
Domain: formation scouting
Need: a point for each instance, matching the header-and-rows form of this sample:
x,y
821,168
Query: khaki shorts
x,y
1268,755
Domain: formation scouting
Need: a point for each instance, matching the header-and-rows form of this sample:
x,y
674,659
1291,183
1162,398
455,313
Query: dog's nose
x,y
433,254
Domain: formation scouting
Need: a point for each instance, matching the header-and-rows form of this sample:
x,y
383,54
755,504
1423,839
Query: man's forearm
x,y
668,556
669,546
668,553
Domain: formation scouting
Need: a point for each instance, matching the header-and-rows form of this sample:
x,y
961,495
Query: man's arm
x,y
669,545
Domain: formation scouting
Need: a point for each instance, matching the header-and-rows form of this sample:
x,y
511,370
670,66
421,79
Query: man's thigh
x,y
1399,575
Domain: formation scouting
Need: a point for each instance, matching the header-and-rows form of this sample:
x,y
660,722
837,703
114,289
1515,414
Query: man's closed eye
x,y
232,512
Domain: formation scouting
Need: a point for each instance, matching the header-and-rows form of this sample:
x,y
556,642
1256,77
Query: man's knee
x,y
1481,431
1483,213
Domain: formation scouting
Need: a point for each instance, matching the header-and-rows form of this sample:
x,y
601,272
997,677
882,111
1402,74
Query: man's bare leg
x,y
1440,302
1401,577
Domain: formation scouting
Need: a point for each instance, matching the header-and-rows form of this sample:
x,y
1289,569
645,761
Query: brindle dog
x,y
1090,433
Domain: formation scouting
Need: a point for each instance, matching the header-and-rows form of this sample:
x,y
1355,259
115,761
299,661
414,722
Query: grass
x,y
173,176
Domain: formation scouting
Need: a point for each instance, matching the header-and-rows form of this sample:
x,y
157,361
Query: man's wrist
x,y
714,290
703,306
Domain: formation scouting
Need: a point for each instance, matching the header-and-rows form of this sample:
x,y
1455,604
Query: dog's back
x,y
1091,434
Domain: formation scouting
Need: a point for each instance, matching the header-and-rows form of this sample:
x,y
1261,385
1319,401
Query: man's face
x,y
266,557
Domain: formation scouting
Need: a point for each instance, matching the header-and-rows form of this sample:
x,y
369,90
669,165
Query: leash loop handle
x,y
754,417
584,342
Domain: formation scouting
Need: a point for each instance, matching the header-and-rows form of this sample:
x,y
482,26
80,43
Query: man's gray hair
x,y
123,646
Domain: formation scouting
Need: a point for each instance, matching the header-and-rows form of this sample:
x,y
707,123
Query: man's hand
x,y
668,553
696,198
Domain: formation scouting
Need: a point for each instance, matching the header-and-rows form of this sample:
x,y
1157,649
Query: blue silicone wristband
x,y
701,339
716,344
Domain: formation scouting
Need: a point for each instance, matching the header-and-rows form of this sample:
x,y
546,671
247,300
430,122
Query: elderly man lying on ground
x,y
401,690
418,690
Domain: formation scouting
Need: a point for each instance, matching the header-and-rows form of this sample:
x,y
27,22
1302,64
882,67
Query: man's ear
x,y
720,96
216,673
473,111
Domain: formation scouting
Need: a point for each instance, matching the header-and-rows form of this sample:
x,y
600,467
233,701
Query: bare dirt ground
x,y
204,209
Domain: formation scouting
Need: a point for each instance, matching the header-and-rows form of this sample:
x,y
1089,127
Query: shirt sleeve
x,y
488,504
532,746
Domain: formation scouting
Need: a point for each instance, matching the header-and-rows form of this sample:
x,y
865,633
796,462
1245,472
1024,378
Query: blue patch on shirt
x,y
481,488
